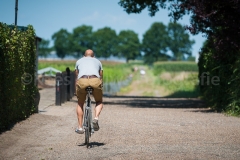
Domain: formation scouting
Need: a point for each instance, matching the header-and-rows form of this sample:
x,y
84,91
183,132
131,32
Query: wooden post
x,y
65,86
62,88
71,85
58,89
68,83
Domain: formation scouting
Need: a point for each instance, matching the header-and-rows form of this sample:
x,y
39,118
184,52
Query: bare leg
x,y
98,109
80,114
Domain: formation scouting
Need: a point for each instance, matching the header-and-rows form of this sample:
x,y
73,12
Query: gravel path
x,y
130,128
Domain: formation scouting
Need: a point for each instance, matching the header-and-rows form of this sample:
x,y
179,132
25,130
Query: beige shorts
x,y
83,83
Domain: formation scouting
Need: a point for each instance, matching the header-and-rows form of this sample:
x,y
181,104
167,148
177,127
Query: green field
x,y
59,65
112,71
160,67
180,79
169,79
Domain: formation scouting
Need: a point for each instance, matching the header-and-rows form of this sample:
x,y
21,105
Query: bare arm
x,y
101,76
76,73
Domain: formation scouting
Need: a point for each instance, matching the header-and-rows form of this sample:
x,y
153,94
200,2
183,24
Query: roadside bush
x,y
222,96
17,69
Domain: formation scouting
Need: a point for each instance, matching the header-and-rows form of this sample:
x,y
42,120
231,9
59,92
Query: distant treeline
x,y
157,41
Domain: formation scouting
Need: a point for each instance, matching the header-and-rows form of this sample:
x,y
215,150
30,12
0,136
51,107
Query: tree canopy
x,y
136,6
105,42
61,42
43,48
128,45
179,42
155,43
80,40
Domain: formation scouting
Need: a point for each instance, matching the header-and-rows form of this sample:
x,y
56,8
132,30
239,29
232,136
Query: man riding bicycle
x,y
89,72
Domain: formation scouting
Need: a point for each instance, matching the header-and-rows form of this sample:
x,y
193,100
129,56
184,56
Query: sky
x,y
49,16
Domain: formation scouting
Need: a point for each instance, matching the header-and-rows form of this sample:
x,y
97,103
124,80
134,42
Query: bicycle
x,y
87,124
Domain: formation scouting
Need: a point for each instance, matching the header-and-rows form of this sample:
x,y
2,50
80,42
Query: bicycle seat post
x,y
89,90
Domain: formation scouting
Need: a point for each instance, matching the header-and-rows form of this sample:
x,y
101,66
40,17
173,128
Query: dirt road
x,y
130,128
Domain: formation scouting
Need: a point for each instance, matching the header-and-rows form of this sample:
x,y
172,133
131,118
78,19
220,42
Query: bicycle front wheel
x,y
87,132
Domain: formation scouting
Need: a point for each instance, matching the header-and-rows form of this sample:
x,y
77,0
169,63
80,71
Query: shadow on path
x,y
204,110
93,144
154,102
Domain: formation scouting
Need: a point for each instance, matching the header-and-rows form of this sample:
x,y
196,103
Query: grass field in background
x,y
112,71
59,65
180,84
180,79
160,67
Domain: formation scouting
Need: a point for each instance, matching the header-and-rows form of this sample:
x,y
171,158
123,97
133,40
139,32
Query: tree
x,y
81,40
105,42
129,45
61,42
155,43
136,6
217,19
179,42
43,48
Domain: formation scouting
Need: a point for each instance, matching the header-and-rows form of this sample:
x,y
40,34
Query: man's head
x,y
89,53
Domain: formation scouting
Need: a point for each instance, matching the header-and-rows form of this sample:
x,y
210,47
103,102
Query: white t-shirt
x,y
88,66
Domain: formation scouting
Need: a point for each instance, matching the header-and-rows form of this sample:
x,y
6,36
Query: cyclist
x,y
89,72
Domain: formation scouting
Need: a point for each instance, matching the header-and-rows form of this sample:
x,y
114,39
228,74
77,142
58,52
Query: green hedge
x,y
17,74
222,95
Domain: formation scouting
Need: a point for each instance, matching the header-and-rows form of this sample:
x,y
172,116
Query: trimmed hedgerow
x,y
17,74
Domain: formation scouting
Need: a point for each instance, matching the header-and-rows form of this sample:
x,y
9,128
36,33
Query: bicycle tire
x,y
87,135
89,131
88,119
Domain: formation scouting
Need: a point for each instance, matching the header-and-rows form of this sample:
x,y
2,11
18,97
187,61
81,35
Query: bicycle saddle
x,y
89,89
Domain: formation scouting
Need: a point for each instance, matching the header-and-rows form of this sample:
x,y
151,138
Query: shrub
x,y
17,74
224,96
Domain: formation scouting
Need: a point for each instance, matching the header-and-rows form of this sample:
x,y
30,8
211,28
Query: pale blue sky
x,y
49,16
